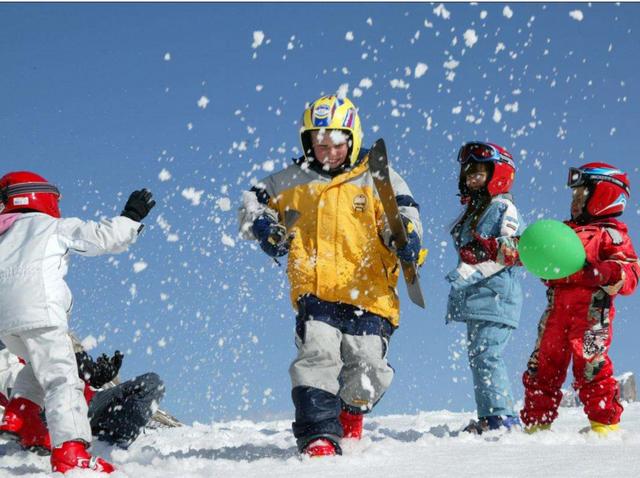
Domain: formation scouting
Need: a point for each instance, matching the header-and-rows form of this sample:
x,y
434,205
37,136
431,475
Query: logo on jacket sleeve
x,y
359,203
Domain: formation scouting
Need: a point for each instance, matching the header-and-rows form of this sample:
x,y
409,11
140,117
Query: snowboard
x,y
379,167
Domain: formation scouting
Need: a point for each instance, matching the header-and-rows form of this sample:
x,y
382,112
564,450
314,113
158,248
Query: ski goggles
x,y
483,152
28,188
583,177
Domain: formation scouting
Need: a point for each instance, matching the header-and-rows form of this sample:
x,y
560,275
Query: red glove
x,y
479,250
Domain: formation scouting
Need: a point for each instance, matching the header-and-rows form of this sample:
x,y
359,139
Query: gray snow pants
x,y
341,364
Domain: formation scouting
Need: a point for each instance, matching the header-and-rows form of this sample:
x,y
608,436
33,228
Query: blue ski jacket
x,y
488,290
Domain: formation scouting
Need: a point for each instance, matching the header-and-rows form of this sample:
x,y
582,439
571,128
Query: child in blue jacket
x,y
485,289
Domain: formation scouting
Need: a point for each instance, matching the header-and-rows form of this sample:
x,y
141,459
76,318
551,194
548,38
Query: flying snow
x,y
577,15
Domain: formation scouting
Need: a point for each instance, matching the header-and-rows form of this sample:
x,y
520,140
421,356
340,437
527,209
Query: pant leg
x,y
314,381
119,414
591,338
49,351
366,374
486,343
547,366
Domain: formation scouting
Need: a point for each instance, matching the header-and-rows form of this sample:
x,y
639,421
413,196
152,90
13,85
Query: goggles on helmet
x,y
583,177
28,188
483,152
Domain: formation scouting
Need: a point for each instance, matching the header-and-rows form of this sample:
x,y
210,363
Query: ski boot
x,y
537,427
351,424
492,422
73,455
603,429
23,422
321,447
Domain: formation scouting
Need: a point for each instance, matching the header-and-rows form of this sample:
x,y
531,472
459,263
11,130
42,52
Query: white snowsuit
x,y
35,303
10,366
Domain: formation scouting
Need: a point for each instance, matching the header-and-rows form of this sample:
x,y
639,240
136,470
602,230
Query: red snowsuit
x,y
577,324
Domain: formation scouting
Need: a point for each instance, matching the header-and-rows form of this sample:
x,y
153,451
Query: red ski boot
x,y
12,421
73,455
22,420
351,425
320,447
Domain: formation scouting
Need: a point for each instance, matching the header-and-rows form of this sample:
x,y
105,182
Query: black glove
x,y
138,205
101,371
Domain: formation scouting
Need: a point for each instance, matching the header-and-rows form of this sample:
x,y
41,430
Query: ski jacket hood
x,y
7,220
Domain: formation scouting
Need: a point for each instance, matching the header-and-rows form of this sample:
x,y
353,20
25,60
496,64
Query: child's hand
x,y
272,236
138,205
479,250
411,250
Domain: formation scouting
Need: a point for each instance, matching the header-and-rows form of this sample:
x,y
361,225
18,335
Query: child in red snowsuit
x,y
577,324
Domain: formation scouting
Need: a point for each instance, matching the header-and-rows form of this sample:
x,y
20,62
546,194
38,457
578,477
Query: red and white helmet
x,y
26,191
504,169
608,189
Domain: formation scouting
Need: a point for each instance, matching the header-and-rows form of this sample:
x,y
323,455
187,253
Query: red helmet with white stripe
x,y
24,191
608,188
503,168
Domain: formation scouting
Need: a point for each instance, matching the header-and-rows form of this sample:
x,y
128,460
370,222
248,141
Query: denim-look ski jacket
x,y
488,290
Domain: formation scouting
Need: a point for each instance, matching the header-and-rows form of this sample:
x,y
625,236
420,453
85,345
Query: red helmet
x,y
608,189
504,169
26,191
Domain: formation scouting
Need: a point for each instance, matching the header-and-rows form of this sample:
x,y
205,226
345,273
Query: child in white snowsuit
x,y
35,302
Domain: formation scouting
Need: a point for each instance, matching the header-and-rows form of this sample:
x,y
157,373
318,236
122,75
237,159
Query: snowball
x,y
89,342
258,38
577,15
164,175
420,70
470,38
203,102
139,266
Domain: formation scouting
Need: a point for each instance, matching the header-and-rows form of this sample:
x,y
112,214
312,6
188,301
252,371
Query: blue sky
x,y
190,102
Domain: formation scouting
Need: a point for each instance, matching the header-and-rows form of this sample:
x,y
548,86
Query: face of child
x,y
476,176
580,195
330,147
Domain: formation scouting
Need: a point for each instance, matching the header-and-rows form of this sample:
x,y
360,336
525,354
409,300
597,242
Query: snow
x,y
192,195
139,266
422,444
441,11
164,175
577,15
507,12
258,38
348,36
470,38
203,102
89,342
420,70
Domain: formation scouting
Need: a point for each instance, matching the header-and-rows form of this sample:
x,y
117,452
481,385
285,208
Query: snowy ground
x,y
420,445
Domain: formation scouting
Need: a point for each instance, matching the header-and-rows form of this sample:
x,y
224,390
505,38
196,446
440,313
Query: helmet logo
x,y
21,201
321,115
359,203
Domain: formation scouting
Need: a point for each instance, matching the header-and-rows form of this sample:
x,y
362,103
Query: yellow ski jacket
x,y
340,251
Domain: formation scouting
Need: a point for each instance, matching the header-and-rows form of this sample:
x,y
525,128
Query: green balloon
x,y
550,249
